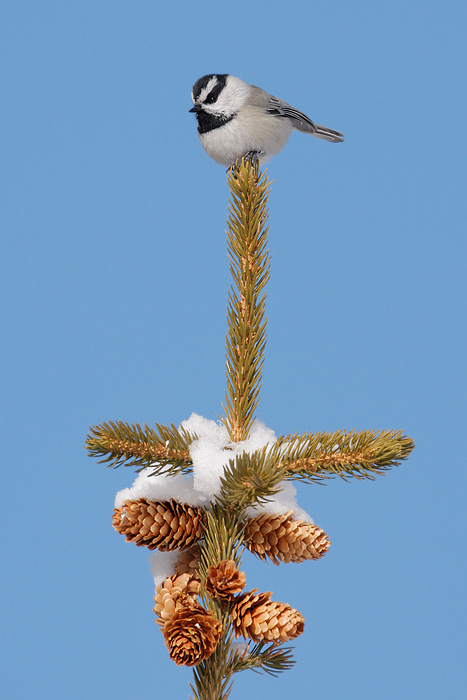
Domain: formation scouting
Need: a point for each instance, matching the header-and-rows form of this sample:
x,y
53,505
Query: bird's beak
x,y
195,109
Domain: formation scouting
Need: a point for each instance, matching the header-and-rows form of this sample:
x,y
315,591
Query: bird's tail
x,y
322,132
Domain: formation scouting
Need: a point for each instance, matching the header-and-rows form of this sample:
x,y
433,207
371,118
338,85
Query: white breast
x,y
251,130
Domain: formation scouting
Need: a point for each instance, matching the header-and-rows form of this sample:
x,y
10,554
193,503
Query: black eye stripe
x,y
214,93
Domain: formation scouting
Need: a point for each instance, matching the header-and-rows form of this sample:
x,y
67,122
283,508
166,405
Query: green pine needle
x,y
249,267
268,658
119,443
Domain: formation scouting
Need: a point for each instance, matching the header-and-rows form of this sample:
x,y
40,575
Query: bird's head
x,y
218,95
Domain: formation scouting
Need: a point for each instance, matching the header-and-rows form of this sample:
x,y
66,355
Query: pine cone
x,y
255,616
281,538
163,525
188,562
224,580
168,594
192,634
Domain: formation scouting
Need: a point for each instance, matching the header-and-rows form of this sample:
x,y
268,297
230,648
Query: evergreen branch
x,y
360,454
251,479
223,535
119,443
263,657
213,676
249,267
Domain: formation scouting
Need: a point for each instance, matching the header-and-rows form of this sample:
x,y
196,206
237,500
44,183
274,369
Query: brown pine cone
x,y
192,634
255,616
281,538
224,580
163,525
188,562
170,592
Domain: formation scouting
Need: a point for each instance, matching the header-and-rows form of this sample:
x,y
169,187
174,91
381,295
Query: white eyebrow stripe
x,y
206,90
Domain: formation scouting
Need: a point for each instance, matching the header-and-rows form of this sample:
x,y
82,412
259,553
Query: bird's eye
x,y
210,99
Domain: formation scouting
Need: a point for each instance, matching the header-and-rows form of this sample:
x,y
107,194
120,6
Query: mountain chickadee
x,y
235,119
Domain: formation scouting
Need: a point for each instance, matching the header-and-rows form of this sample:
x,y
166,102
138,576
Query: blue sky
x,y
115,276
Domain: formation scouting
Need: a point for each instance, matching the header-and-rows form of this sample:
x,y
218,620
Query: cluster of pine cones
x,y
190,631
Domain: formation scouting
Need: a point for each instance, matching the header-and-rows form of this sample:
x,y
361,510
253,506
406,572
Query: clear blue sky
x,y
115,276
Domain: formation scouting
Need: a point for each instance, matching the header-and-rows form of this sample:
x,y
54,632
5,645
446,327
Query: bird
x,y
237,119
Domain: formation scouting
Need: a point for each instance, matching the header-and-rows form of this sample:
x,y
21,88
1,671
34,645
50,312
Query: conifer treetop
x,y
207,494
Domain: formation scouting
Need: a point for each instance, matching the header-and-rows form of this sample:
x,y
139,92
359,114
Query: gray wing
x,y
279,108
